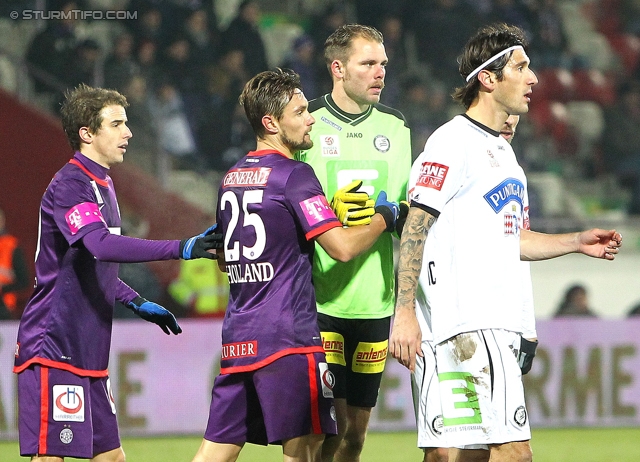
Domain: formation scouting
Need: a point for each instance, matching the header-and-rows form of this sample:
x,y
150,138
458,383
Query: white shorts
x,y
426,400
481,391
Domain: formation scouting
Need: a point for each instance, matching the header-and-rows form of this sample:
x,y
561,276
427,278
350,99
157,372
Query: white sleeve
x,y
437,173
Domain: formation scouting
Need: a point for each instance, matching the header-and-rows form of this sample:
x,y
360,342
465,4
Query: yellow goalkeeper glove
x,y
353,208
351,194
354,214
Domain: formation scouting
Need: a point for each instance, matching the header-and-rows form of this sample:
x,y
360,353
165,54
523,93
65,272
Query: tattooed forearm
x,y
412,243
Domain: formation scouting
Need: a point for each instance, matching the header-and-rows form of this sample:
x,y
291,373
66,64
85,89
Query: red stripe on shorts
x,y
313,389
44,409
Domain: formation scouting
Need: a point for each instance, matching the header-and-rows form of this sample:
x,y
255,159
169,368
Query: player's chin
x,y
117,159
304,145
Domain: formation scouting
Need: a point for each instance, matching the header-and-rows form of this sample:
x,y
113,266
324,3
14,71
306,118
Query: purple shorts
x,y
65,415
285,399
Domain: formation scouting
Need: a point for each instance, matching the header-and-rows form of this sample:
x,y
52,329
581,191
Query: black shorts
x,y
356,351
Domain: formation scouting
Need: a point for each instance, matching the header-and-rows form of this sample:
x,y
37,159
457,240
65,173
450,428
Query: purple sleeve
x,y
309,203
124,293
75,209
124,249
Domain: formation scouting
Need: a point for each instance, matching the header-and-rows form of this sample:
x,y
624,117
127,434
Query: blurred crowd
x,y
182,68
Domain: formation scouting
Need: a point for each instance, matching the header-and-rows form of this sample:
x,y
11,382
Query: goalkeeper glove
x,y
353,214
155,313
350,193
353,208
388,210
402,217
526,354
197,246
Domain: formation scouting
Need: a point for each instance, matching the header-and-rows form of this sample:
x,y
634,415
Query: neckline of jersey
x,y
352,119
265,152
77,161
482,126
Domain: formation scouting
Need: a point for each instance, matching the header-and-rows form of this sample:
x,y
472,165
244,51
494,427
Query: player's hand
x,y
351,194
155,313
600,243
198,246
406,338
402,217
353,214
353,208
526,354
389,210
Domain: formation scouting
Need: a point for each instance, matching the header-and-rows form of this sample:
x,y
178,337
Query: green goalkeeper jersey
x,y
374,147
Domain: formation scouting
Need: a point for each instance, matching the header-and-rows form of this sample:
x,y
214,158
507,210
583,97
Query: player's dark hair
x,y
83,106
338,45
487,42
268,93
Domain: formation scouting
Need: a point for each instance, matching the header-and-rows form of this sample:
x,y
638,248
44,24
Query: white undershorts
x,y
426,400
481,391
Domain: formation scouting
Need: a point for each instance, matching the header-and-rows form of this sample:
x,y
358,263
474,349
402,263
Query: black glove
x,y
402,217
197,246
526,354
155,313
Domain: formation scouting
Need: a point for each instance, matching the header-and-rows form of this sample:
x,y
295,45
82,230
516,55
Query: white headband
x,y
492,59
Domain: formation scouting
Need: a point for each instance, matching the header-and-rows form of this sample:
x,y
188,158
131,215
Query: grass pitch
x,y
549,445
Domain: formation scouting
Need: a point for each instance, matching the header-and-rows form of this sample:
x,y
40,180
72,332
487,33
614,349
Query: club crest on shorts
x,y
437,425
520,416
66,436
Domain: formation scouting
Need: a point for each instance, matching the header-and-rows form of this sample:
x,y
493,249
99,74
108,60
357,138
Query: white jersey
x,y
471,279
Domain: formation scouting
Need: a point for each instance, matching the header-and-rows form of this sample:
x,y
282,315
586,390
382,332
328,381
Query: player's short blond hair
x,y
338,44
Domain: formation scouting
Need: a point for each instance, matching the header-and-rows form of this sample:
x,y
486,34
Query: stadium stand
x,y
596,41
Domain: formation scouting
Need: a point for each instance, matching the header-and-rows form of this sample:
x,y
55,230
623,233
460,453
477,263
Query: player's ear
x,y
85,135
487,79
270,124
337,69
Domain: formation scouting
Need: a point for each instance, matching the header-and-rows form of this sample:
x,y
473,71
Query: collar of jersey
x,y
264,152
482,126
351,119
78,162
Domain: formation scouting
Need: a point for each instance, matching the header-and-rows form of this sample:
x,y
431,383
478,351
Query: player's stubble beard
x,y
354,90
295,146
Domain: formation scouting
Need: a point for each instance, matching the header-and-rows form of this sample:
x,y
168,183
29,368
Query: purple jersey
x,y
67,321
270,208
